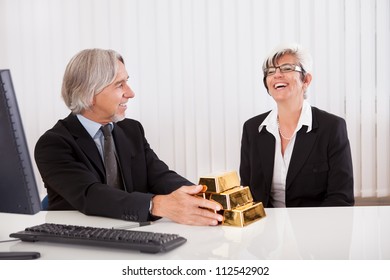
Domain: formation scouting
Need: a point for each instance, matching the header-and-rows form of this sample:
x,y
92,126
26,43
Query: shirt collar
x,y
93,128
306,116
305,119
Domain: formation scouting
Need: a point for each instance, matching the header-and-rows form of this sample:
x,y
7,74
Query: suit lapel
x,y
85,142
304,143
266,152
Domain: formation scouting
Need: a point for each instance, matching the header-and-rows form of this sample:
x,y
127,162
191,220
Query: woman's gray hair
x,y
86,75
303,56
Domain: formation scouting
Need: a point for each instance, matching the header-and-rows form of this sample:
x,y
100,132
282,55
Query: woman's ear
x,y
307,80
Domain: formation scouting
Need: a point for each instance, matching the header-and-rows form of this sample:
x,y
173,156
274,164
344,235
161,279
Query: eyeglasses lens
x,y
285,68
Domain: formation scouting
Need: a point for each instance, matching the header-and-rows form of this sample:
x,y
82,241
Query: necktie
x,y
110,162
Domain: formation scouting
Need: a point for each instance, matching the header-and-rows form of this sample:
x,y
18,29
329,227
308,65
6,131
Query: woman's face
x,y
287,86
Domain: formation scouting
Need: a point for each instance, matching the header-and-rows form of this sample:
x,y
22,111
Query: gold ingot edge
x,y
243,215
220,182
233,198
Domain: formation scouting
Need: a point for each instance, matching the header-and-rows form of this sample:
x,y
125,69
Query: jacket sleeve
x,y
245,167
74,182
340,176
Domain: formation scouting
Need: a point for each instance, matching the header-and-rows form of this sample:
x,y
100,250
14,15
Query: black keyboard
x,y
148,242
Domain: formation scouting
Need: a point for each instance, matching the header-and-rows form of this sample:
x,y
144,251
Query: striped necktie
x,y
110,161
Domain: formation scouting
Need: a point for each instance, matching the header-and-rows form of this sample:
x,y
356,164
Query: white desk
x,y
334,233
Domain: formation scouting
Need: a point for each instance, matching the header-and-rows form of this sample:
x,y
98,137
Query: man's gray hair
x,y
86,75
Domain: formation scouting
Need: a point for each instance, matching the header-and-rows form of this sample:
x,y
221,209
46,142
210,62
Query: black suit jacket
x,y
320,171
73,171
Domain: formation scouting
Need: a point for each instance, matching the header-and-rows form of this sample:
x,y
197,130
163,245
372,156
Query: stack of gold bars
x,y
239,209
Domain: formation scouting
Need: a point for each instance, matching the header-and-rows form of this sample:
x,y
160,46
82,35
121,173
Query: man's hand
x,y
184,207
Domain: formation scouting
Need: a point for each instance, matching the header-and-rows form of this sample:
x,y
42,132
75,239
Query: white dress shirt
x,y
93,129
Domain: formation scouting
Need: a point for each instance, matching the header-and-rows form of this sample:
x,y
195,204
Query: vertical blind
x,y
195,66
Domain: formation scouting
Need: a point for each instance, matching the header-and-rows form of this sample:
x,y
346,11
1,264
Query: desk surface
x,y
333,233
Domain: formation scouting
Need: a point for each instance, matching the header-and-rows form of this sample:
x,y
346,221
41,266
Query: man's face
x,y
109,105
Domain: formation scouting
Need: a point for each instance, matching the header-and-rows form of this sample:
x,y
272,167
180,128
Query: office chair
x,y
45,203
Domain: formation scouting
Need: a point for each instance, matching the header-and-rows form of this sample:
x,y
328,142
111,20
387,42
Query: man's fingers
x,y
207,218
192,189
183,206
209,204
201,202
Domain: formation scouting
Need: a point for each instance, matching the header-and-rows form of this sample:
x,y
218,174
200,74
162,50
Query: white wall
x,y
195,66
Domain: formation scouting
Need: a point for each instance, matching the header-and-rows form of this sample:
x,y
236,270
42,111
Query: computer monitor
x,y
18,188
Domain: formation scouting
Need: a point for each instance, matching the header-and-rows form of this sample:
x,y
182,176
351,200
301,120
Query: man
x,y
71,156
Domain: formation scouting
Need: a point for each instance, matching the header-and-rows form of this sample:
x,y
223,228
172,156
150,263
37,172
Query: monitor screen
x,y
18,189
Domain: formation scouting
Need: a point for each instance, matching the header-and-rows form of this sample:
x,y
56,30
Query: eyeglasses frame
x,y
295,67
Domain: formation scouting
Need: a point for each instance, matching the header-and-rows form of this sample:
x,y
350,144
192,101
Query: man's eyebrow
x,y
121,81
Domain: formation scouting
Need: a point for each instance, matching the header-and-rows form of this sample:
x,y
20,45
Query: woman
x,y
295,155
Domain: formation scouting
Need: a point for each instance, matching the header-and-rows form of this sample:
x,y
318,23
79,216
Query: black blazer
x,y
73,171
320,171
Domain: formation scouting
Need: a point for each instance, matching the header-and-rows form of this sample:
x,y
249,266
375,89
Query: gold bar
x,y
220,182
243,215
233,198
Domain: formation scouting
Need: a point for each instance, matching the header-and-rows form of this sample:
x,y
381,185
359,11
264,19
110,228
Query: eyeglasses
x,y
284,68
